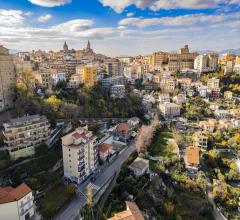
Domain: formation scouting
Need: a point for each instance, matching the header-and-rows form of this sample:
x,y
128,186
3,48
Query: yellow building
x,y
174,61
237,60
227,57
87,73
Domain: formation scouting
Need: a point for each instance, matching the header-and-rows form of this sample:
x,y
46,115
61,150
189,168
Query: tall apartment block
x,y
87,73
80,154
7,78
22,135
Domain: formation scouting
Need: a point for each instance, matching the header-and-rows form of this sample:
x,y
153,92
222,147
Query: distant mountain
x,y
234,51
13,51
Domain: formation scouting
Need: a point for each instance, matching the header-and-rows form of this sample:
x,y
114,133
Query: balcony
x,y
23,212
25,203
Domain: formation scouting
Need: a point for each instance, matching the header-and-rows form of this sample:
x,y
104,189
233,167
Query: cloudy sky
x,y
120,27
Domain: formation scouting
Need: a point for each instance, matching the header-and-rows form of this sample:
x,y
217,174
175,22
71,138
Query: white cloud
x,y
11,17
44,18
130,14
155,5
169,34
50,3
75,25
28,14
184,20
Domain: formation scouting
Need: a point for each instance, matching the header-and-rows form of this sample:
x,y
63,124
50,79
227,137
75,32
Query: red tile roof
x,y
77,135
123,127
104,147
192,155
132,213
10,194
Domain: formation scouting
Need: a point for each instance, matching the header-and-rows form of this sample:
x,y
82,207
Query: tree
x,y
89,195
53,102
201,180
41,150
25,81
168,208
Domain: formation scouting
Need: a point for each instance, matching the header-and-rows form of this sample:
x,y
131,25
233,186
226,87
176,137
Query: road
x,y
72,209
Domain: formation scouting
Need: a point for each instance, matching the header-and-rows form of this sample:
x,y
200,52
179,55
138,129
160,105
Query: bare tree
x,y
89,195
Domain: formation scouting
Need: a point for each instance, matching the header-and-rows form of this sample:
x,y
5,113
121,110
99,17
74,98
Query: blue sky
x,y
120,27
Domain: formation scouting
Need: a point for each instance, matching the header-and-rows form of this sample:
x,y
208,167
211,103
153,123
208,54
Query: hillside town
x,y
88,136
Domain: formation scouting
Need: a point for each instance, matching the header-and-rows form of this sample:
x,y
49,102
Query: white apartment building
x,y
74,81
163,98
202,91
57,77
118,91
213,84
22,135
80,154
206,63
16,203
128,71
167,84
169,110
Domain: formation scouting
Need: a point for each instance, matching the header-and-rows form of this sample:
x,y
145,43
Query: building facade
x,y
114,67
118,91
80,154
206,63
169,110
16,203
22,135
7,79
87,74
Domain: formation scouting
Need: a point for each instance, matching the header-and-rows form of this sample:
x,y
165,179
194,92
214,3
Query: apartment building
x,y
167,84
206,63
114,67
74,81
213,84
50,77
118,91
22,135
209,125
111,81
169,110
16,203
200,140
159,60
164,98
87,74
236,68
7,79
80,154
181,60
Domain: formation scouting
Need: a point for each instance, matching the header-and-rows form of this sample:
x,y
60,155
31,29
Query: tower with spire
x,y
65,47
88,46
